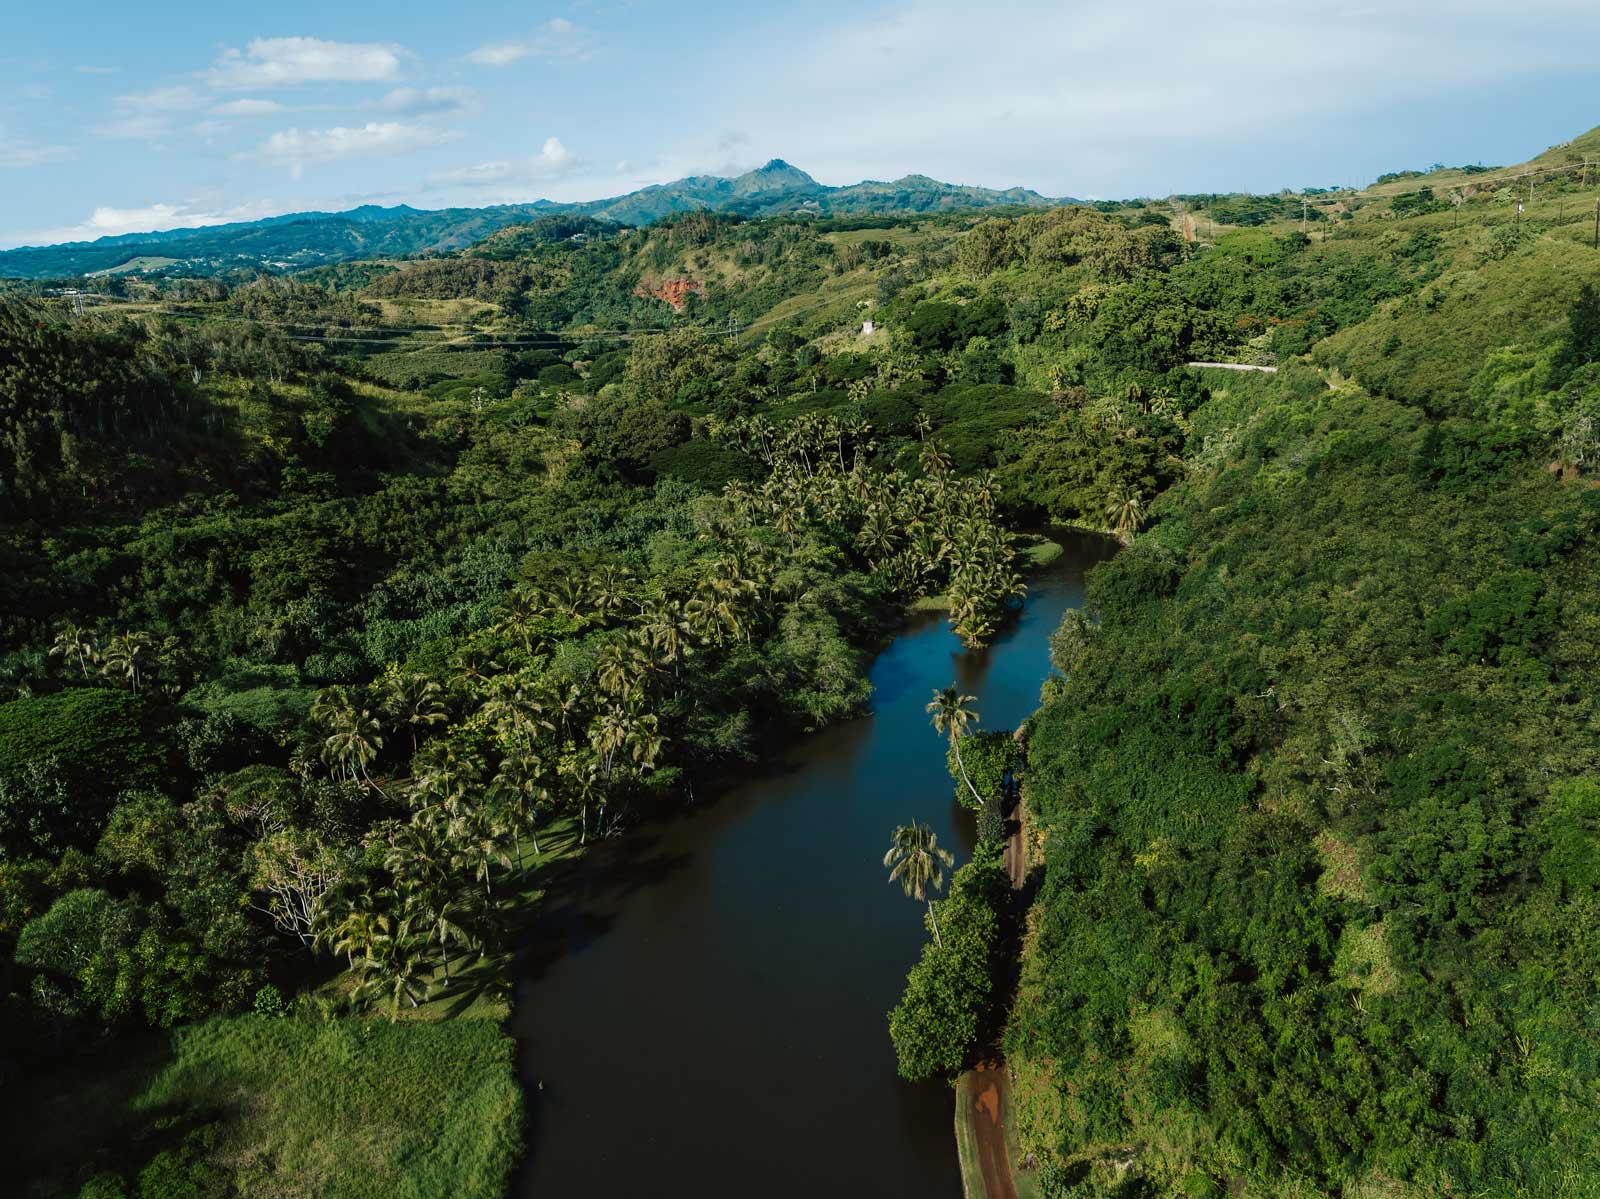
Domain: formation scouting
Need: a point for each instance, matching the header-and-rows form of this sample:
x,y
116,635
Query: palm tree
x,y
917,863
620,668
443,776
352,935
667,629
953,715
569,598
1125,511
413,854
584,773
123,656
878,534
520,781
73,641
515,710
517,622
569,706
482,838
395,962
935,462
473,673
441,915
354,734
411,699
610,589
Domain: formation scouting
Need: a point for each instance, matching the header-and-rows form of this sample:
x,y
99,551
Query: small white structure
x,y
867,326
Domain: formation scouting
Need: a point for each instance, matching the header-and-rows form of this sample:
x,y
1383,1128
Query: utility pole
x,y
1597,224
1303,217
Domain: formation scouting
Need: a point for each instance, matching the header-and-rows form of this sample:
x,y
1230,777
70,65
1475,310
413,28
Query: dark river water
x,y
705,1012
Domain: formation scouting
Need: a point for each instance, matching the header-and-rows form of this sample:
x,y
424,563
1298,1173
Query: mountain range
x,y
307,239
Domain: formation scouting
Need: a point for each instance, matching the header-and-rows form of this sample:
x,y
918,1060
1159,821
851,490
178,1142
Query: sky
x,y
117,118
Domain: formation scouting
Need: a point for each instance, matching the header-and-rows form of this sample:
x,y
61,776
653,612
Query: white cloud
x,y
286,61
89,69
499,54
424,102
298,148
18,153
554,161
149,116
555,158
248,108
557,40
483,172
108,221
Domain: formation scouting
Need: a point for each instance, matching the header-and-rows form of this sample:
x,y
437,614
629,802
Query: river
x,y
703,1014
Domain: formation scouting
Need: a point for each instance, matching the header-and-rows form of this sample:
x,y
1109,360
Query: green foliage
x,y
68,393
937,1022
1314,778
1510,614
1571,832
99,740
704,464
1292,834
1440,346
988,758
269,1002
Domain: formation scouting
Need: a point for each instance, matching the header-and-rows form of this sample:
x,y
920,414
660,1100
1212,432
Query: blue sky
x,y
116,118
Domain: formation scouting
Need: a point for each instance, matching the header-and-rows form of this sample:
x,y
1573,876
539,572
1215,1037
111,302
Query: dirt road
x,y
984,1093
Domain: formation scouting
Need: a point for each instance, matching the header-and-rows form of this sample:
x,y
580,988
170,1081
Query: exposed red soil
x,y
674,291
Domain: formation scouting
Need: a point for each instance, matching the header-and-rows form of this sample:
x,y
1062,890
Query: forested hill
x,y
307,239
340,612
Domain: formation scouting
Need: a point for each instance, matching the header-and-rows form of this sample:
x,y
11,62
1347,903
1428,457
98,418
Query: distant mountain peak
x,y
776,175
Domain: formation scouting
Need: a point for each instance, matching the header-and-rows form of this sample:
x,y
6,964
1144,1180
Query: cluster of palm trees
x,y
127,658
916,533
517,745
805,442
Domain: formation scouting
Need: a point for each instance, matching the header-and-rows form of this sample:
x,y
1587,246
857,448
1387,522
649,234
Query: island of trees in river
x,y
340,609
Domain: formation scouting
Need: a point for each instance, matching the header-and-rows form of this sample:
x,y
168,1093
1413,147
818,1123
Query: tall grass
x,y
348,1109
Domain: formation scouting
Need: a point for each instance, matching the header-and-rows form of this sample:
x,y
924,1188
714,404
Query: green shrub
x,y
704,463
269,1001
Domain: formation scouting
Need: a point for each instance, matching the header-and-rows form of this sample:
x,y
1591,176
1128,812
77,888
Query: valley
x,y
458,686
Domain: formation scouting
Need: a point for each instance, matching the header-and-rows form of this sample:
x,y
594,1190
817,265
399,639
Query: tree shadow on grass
x,y
88,1118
